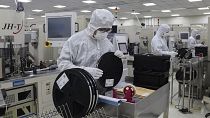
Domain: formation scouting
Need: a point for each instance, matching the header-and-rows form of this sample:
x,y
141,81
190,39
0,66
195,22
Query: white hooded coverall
x,y
82,49
191,43
159,44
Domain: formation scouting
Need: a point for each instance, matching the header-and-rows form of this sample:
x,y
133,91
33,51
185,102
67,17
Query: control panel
x,y
20,101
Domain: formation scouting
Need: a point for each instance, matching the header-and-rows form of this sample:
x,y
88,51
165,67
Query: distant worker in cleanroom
x,y
192,43
159,43
83,49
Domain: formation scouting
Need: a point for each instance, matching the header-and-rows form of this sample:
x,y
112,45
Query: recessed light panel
x,y
207,13
195,0
203,8
135,13
147,16
59,6
114,7
4,6
123,18
37,10
30,18
175,15
85,11
24,1
165,11
149,4
89,1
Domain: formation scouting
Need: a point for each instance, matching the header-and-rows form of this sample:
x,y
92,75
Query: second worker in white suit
x,y
192,42
159,43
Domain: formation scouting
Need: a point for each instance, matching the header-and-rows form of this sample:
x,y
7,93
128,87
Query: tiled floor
x,y
198,110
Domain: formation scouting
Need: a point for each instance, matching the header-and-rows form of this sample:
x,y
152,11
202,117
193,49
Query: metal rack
x,y
193,64
175,65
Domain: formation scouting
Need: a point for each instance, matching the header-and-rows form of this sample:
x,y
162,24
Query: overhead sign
x,y
12,23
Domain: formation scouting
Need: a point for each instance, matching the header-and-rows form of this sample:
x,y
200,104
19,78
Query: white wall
x,y
185,21
129,22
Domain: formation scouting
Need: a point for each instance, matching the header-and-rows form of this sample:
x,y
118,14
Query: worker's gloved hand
x,y
173,54
95,72
119,54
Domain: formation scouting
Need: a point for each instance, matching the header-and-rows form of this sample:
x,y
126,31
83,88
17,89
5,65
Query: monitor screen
x,y
123,48
59,27
184,35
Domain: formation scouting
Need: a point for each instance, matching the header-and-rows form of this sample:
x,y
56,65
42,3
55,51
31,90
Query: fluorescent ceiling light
x,y
114,7
89,1
149,4
59,6
165,11
30,18
37,10
175,15
195,0
24,1
135,13
207,13
147,16
203,8
4,6
123,18
85,11
43,16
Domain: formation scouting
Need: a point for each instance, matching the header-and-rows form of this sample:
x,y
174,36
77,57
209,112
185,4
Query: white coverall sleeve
x,y
160,51
65,61
158,44
157,49
191,42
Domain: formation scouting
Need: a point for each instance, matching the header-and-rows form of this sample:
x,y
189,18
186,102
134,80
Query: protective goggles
x,y
105,29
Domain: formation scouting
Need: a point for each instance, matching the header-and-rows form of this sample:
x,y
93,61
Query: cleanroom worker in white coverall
x,y
159,43
192,43
83,49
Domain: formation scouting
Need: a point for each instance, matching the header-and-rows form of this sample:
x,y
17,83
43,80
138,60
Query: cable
x,y
15,2
138,19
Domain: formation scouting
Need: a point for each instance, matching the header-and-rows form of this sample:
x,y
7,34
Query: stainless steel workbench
x,y
151,106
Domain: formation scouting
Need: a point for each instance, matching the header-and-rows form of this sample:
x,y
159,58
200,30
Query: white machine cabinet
x,y
40,86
